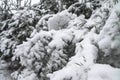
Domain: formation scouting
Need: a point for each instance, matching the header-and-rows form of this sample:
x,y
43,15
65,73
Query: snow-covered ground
x,y
95,72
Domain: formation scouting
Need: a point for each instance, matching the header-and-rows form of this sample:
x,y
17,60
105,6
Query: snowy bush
x,y
42,23
46,52
64,46
77,67
26,74
108,39
75,46
60,20
16,30
81,8
49,51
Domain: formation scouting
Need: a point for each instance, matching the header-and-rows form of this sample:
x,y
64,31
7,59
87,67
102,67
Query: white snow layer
x,y
60,21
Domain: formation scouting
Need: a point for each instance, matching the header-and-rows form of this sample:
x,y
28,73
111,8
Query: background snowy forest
x,y
60,40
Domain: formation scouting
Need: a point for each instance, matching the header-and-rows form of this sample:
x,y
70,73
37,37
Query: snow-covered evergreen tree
x,y
78,43
16,30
